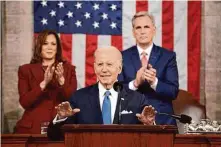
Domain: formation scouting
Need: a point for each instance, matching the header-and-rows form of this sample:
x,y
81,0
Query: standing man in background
x,y
150,69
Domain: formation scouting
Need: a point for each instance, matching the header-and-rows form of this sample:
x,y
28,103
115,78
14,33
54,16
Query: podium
x,y
119,136
114,136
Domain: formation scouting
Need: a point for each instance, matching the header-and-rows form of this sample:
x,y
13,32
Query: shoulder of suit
x,y
129,50
132,92
28,66
165,50
85,90
67,64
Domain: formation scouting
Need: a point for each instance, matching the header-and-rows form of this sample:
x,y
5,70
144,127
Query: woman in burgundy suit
x,y
44,83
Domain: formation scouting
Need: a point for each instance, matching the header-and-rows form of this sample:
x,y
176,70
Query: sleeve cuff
x,y
131,86
55,120
154,85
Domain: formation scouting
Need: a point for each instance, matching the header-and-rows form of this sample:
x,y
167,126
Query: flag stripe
x,y
167,25
66,43
155,8
194,42
91,46
141,5
103,40
35,35
180,40
79,58
128,39
117,42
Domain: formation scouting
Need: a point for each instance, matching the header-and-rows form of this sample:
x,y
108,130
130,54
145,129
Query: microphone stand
x,y
182,118
118,87
119,98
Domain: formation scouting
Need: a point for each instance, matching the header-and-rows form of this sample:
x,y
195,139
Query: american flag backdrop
x,y
84,26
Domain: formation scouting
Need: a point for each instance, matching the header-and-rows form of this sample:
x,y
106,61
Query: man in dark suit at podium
x,y
99,103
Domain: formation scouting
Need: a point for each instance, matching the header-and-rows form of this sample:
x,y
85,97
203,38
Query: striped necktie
x,y
144,59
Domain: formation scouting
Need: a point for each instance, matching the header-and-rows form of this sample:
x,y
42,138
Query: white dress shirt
x,y
113,99
148,51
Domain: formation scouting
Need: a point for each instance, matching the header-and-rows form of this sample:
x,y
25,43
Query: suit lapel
x,y
95,103
37,72
135,58
154,55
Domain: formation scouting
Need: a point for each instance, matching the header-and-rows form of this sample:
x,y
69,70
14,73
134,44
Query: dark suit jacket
x,y
40,105
87,99
164,62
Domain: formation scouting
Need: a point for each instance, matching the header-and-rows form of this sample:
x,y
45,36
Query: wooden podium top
x,y
114,135
119,128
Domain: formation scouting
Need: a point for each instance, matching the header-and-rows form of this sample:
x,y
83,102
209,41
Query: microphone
x,y
119,87
182,118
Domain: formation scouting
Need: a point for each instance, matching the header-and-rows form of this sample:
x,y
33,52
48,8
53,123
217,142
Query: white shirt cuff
x,y
131,86
154,85
55,120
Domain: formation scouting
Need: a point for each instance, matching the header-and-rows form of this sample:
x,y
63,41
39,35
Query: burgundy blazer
x,y
40,105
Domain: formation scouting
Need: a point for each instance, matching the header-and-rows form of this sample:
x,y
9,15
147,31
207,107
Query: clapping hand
x,y
48,75
147,117
64,110
139,77
149,74
59,71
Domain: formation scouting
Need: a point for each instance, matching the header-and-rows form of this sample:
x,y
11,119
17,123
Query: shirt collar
x,y
102,90
147,50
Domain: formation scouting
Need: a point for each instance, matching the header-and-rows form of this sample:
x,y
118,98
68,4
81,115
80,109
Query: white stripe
x,y
155,8
129,9
103,40
78,57
180,41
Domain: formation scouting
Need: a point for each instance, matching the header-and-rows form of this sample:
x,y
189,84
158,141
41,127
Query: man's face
x,y
107,68
143,30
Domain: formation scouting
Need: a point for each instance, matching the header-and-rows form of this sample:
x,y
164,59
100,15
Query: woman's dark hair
x,y
40,40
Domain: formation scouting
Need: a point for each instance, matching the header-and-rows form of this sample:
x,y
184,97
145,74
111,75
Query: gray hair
x,y
141,14
120,61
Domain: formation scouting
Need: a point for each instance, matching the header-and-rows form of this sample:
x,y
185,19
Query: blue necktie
x,y
106,108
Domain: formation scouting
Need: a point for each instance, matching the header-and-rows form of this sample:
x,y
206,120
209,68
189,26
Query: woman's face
x,y
49,48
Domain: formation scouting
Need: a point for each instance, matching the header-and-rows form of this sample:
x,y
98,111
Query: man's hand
x,y
149,74
139,77
64,110
147,117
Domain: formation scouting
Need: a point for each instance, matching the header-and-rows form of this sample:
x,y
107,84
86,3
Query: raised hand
x,y
139,78
64,110
147,117
48,75
59,71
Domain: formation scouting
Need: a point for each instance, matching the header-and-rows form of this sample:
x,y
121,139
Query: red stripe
x,y
91,46
35,38
141,5
66,43
35,35
194,41
117,42
168,24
